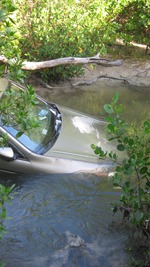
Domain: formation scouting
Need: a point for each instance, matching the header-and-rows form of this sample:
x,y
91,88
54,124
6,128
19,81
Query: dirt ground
x,y
136,73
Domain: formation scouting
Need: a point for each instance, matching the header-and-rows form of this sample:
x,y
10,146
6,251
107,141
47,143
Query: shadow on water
x,y
65,220
46,208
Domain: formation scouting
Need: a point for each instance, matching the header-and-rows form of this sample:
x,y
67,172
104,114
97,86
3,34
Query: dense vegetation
x,y
13,104
131,175
54,29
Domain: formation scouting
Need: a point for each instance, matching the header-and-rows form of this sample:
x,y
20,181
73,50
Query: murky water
x,y
91,99
45,208
49,210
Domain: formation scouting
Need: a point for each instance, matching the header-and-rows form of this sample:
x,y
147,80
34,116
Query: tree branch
x,y
64,61
100,77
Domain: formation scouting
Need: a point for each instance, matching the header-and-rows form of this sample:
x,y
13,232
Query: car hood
x,y
77,134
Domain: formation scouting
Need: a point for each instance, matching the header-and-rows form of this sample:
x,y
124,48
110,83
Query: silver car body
x,y
70,150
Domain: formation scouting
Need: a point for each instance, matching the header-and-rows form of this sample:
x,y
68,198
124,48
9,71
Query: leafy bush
x,y
9,37
5,197
134,20
59,29
13,104
52,29
132,175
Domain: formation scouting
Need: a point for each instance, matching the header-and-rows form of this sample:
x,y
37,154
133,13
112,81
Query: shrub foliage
x,y
46,29
132,174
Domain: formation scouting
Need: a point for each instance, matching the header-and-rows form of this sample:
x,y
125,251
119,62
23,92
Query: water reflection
x,y
85,125
46,207
91,99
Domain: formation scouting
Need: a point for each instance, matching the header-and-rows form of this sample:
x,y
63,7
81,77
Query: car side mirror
x,y
7,153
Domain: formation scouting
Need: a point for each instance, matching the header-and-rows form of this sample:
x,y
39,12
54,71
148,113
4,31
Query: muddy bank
x,y
135,73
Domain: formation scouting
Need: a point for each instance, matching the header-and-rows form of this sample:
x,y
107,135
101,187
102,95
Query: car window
x,y
39,139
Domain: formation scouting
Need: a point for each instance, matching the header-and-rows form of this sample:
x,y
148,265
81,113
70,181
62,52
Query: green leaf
x,y
126,140
116,98
108,108
2,188
146,127
99,151
140,154
108,119
3,213
123,198
120,108
119,169
93,146
110,127
131,142
116,180
121,147
148,184
143,170
126,187
115,157
110,154
19,134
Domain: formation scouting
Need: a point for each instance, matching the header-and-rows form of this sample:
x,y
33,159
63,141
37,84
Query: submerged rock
x,y
74,240
76,252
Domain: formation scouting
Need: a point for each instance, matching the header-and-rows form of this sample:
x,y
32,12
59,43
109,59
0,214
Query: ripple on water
x,y
45,207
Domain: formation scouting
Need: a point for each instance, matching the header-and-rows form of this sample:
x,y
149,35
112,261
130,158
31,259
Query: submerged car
x,y
60,144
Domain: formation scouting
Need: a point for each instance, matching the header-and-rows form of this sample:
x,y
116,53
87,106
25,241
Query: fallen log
x,y
64,61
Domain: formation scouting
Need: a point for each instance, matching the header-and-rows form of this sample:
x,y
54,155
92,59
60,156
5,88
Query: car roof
x,y
4,84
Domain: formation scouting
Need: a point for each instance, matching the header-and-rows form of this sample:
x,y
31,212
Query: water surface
x,y
91,99
46,208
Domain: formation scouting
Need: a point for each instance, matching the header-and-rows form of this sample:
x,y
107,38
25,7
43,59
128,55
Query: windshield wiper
x,y
58,118
57,124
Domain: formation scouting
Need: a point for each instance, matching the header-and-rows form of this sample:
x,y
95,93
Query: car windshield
x,y
41,138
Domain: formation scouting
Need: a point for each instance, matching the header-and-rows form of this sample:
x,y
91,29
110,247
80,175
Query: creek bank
x,y
134,73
